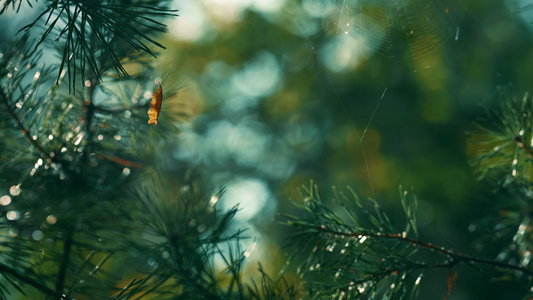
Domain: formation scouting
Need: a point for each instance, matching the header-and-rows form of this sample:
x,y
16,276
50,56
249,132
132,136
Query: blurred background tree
x,y
267,95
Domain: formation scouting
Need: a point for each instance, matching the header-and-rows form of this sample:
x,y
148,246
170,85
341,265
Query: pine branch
x,y
503,135
520,142
67,247
107,24
456,257
13,3
11,272
358,249
23,129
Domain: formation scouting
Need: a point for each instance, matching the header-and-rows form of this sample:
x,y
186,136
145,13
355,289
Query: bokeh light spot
x,y
15,190
51,219
37,235
5,200
250,194
12,215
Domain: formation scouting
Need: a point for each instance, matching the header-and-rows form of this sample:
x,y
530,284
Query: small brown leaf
x,y
155,106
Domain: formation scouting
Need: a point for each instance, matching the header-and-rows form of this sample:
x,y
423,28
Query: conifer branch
x,y
27,280
518,140
23,129
67,246
457,257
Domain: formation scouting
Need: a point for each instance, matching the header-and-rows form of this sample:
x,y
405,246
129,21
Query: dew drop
x,y
126,171
79,137
150,261
165,255
201,228
12,215
5,200
51,219
15,190
214,200
37,235
419,279
331,247
117,137
147,94
37,75
13,232
250,249
87,83
127,114
100,137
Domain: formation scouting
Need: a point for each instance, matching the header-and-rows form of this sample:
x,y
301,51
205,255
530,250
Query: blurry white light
x,y
191,25
227,11
126,171
250,194
15,190
315,9
268,6
246,143
5,200
343,54
260,77
12,215
147,94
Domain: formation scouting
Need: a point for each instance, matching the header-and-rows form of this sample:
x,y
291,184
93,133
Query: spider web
x,y
426,24
422,25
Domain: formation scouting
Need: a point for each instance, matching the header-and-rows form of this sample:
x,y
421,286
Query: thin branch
x,y
518,140
459,257
60,283
7,270
24,130
394,271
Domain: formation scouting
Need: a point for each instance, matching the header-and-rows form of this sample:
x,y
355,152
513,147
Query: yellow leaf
x,y
155,106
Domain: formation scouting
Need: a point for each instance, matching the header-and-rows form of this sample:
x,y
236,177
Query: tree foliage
x,y
87,214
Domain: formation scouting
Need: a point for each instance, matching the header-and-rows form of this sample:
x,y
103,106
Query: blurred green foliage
x,y
412,109
277,94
